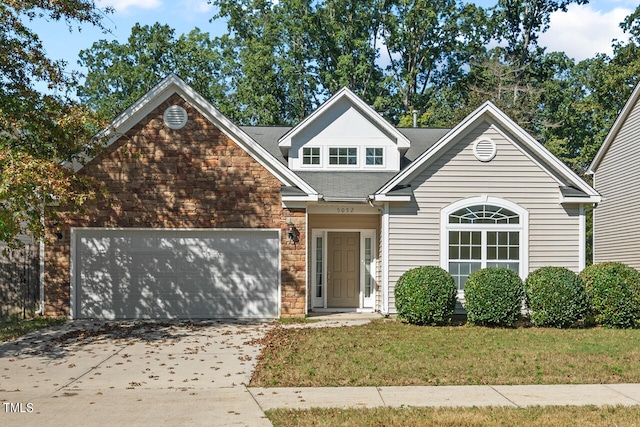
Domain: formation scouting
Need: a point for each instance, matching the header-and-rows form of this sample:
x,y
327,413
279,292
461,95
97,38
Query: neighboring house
x,y
202,218
616,173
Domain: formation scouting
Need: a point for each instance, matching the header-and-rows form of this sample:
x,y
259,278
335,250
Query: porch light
x,y
293,233
57,230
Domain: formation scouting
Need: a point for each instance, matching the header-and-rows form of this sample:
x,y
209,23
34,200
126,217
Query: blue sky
x,y
581,32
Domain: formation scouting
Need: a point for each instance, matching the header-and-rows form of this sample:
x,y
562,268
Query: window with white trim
x,y
374,156
480,236
311,156
343,156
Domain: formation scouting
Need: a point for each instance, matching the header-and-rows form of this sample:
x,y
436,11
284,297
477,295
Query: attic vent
x,y
175,117
484,150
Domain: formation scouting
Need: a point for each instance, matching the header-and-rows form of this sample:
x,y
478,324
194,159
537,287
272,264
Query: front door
x,y
343,269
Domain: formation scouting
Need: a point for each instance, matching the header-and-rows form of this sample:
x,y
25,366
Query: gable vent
x,y
175,117
484,150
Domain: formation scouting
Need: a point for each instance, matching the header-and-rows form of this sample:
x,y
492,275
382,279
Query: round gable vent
x,y
175,117
484,150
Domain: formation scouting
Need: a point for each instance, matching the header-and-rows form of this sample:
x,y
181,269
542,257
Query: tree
x,y
38,131
429,43
119,74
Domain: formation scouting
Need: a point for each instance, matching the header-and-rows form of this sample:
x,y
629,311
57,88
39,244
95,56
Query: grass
x,y
583,416
392,353
14,328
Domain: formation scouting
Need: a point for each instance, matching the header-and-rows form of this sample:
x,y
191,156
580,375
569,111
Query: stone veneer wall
x,y
195,177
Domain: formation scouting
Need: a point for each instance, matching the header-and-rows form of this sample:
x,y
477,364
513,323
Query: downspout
x,y
40,310
383,263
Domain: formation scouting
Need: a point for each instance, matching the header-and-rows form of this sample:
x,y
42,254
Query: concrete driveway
x,y
132,373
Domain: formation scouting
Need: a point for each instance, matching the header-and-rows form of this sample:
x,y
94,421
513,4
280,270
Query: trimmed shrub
x,y
426,296
613,291
493,297
556,297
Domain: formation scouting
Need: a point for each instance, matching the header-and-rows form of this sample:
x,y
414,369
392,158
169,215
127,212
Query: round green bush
x,y
613,290
493,297
426,296
556,297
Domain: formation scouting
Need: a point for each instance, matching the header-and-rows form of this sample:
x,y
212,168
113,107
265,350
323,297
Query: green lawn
x,y
586,416
12,329
392,353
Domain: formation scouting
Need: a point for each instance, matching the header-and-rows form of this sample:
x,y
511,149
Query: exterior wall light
x,y
293,234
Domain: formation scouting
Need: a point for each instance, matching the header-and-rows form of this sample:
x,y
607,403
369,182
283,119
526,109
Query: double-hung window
x,y
480,236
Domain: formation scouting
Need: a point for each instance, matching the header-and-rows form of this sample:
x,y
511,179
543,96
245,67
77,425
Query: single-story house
x,y
202,218
616,176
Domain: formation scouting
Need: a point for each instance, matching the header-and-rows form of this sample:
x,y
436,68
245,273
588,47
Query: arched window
x,y
483,232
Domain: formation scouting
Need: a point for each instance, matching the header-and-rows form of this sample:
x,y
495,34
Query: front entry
x,y
343,269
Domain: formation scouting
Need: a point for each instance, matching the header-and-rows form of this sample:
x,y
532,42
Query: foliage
x,y
613,290
556,297
119,74
38,131
493,297
426,296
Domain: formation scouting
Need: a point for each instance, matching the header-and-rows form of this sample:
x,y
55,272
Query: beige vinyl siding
x,y
617,179
347,221
414,238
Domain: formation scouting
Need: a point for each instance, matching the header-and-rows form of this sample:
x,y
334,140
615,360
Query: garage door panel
x,y
177,274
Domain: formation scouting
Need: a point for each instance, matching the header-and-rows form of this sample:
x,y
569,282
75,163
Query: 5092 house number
x,y
345,210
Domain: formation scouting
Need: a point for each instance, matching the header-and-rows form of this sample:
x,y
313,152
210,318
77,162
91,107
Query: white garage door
x,y
151,273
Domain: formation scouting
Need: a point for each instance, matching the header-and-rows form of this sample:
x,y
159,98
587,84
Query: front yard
x,y
385,353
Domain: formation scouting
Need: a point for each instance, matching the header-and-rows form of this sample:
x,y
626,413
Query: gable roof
x,y
488,110
617,125
357,103
172,84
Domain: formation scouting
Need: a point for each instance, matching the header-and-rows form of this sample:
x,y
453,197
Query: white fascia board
x,y
622,117
387,198
580,200
305,198
401,140
173,84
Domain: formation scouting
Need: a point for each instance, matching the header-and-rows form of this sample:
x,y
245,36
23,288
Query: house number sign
x,y
345,210
342,209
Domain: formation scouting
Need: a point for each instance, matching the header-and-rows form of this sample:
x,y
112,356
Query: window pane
x,y
502,253
311,156
503,239
465,252
491,238
454,252
476,238
484,214
374,156
476,252
514,239
454,237
465,238
491,252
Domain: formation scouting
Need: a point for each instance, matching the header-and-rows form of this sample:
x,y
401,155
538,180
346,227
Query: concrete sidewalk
x,y
447,396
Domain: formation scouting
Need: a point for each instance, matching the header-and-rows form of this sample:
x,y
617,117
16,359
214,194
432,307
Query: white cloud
x,y
124,5
195,6
583,31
